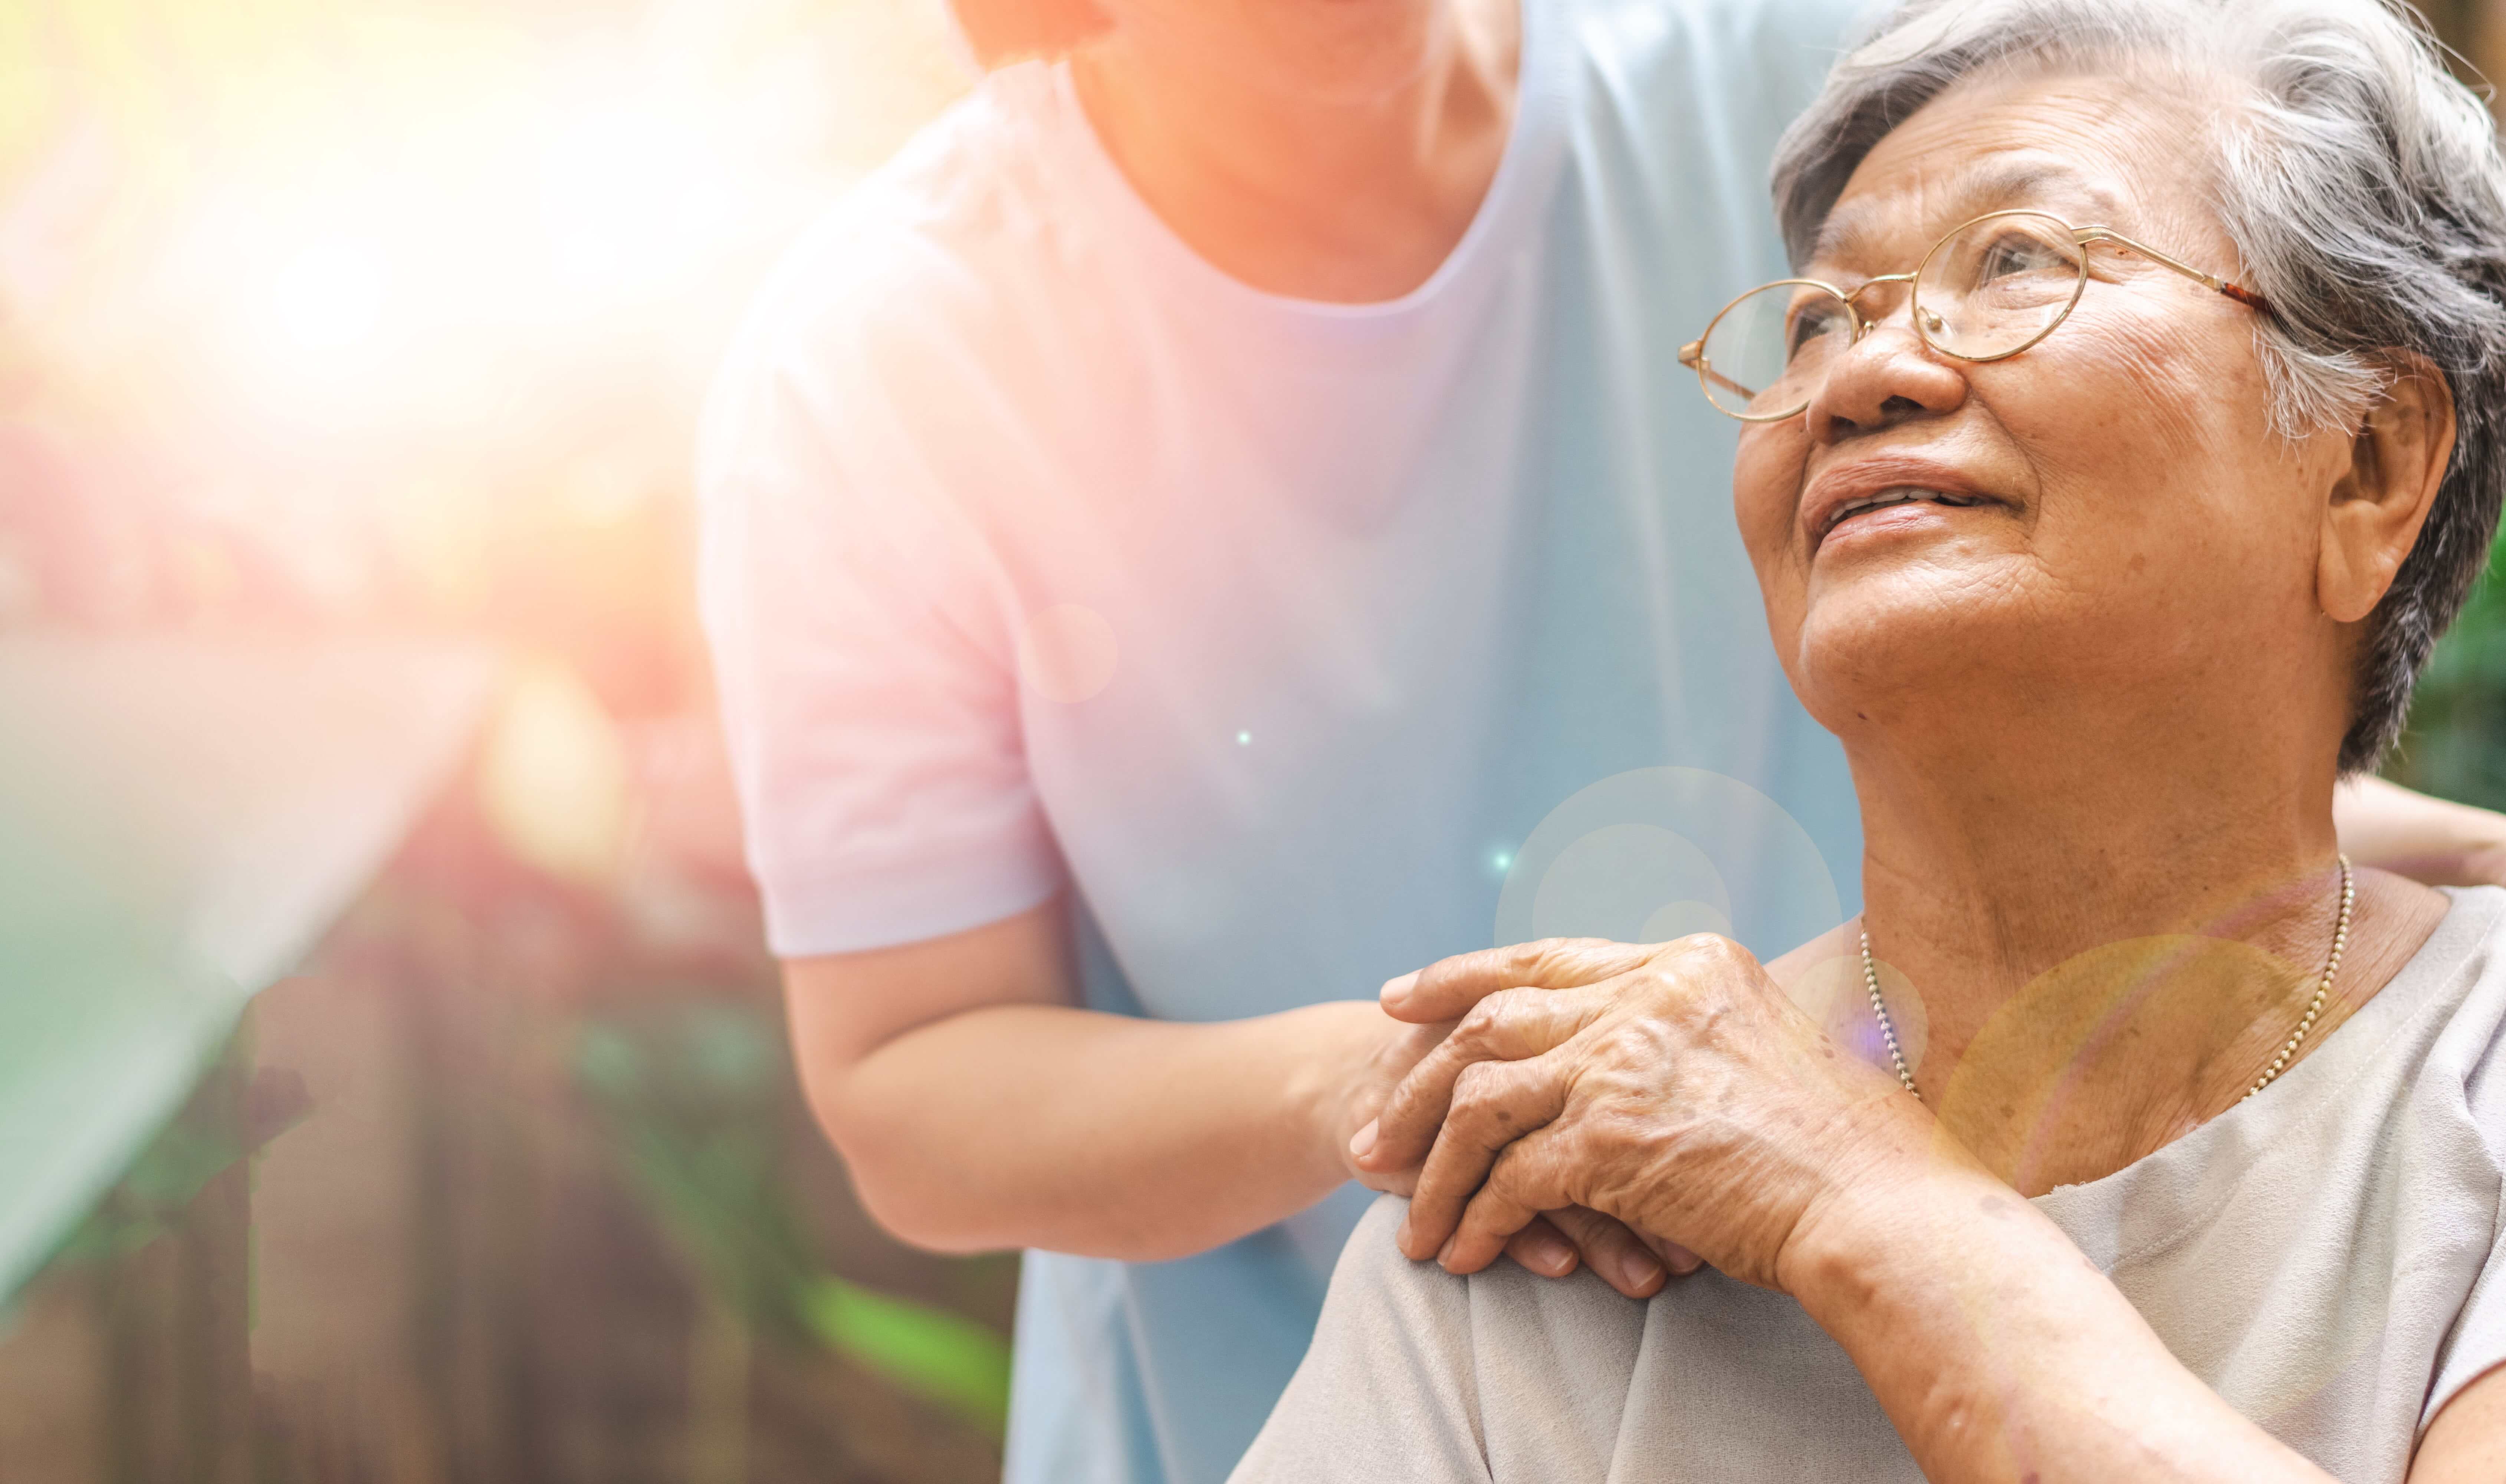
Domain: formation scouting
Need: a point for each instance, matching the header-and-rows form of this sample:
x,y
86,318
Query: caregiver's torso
x,y
1378,588
2318,1255
1322,610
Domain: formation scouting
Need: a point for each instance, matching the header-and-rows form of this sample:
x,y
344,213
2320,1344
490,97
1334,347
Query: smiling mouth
x,y
1898,494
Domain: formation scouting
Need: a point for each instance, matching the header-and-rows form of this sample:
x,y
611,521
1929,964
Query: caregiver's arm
x,y
978,1108
2432,841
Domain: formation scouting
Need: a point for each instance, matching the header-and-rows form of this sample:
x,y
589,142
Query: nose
x,y
1887,377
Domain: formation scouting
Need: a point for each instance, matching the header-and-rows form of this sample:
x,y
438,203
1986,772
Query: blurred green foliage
x,y
697,1094
226,1119
2456,746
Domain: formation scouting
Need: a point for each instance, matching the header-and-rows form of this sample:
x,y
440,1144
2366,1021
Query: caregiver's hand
x,y
1673,1086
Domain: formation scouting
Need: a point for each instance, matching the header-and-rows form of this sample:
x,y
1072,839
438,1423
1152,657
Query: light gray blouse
x,y
2325,1255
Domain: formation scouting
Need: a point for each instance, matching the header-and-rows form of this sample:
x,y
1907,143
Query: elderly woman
x,y
2132,431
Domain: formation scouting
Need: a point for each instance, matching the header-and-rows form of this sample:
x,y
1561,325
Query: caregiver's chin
x,y
2145,603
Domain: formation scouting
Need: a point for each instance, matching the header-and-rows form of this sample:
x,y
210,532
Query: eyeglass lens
x,y
1990,289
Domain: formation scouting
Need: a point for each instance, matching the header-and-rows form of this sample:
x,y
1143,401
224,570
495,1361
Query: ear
x,y
2397,460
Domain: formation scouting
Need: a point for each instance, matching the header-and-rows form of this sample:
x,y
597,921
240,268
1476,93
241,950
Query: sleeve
x,y
1385,1392
856,624
2465,1127
2477,1343
1415,1374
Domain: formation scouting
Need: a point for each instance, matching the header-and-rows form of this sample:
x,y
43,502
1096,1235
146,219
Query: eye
x,y
1813,318
2013,253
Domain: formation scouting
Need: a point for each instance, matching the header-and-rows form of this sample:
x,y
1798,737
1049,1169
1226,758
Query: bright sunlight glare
x,y
394,281
330,297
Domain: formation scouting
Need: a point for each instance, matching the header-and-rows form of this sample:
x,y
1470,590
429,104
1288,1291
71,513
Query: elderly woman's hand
x,y
1555,1245
1672,1086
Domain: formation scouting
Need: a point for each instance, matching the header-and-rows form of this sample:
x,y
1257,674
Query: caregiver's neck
x,y
2111,920
1313,149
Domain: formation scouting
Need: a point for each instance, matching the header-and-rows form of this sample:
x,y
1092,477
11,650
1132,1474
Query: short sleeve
x,y
868,694
1415,1374
2476,1343
1386,1391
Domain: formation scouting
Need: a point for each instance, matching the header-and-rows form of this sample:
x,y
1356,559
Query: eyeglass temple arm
x,y
1693,355
2236,291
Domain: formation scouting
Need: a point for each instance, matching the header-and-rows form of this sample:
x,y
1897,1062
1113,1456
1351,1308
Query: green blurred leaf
x,y
2455,745
695,1096
219,1125
928,1351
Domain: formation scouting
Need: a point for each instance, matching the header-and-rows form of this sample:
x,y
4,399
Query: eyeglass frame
x,y
1692,354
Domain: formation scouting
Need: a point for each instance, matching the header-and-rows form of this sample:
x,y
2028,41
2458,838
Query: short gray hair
x,y
2361,185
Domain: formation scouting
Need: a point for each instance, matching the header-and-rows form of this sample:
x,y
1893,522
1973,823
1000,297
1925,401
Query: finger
x,y
1513,1026
1446,989
1541,1248
1395,1060
1389,1182
1524,1181
1679,1259
1494,1103
1624,1260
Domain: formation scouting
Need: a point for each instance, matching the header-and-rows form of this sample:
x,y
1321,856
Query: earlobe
x,y
2398,459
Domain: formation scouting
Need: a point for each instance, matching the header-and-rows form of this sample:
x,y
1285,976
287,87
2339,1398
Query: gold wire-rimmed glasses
x,y
1989,288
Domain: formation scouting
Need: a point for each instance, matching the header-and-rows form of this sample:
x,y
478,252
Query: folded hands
x,y
1670,1091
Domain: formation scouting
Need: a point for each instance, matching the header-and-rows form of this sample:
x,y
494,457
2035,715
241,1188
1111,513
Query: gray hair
x,y
2361,185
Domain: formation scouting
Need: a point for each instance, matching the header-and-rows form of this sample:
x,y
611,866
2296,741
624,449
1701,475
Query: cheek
x,y
1766,495
1766,490
2147,436
2165,494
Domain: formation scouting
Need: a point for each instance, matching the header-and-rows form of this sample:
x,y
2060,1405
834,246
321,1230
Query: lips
x,y
1898,494
1853,490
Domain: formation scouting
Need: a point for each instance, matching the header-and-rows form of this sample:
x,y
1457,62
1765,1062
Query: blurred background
x,y
391,1084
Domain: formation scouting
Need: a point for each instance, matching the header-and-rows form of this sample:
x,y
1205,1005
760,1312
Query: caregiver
x,y
1170,537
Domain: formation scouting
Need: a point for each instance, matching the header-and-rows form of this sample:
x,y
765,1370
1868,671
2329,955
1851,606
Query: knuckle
x,y
1632,1042
1519,961
1713,950
1481,1022
1519,1178
1564,960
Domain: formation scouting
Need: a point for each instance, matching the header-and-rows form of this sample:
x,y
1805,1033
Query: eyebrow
x,y
1986,185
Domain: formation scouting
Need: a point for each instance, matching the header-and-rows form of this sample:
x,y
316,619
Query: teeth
x,y
1900,494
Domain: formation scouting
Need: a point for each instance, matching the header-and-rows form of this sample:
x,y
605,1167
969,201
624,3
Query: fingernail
x,y
1642,1274
1395,991
1444,1253
1401,1238
1362,1142
1549,1254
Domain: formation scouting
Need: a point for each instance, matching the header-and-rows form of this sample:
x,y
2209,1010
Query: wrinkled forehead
x,y
2097,150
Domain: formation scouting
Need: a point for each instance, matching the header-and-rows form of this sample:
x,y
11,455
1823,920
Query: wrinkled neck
x,y
1992,858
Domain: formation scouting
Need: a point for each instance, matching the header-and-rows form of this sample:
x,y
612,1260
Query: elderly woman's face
x,y
2110,504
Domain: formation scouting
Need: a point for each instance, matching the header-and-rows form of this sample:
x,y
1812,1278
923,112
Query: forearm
x,y
1050,1127
2001,1354
2428,839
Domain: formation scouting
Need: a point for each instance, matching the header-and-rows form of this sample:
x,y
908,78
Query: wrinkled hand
x,y
1672,1086
1552,1243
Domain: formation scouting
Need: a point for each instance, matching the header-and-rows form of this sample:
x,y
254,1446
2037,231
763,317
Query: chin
x,y
1884,639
